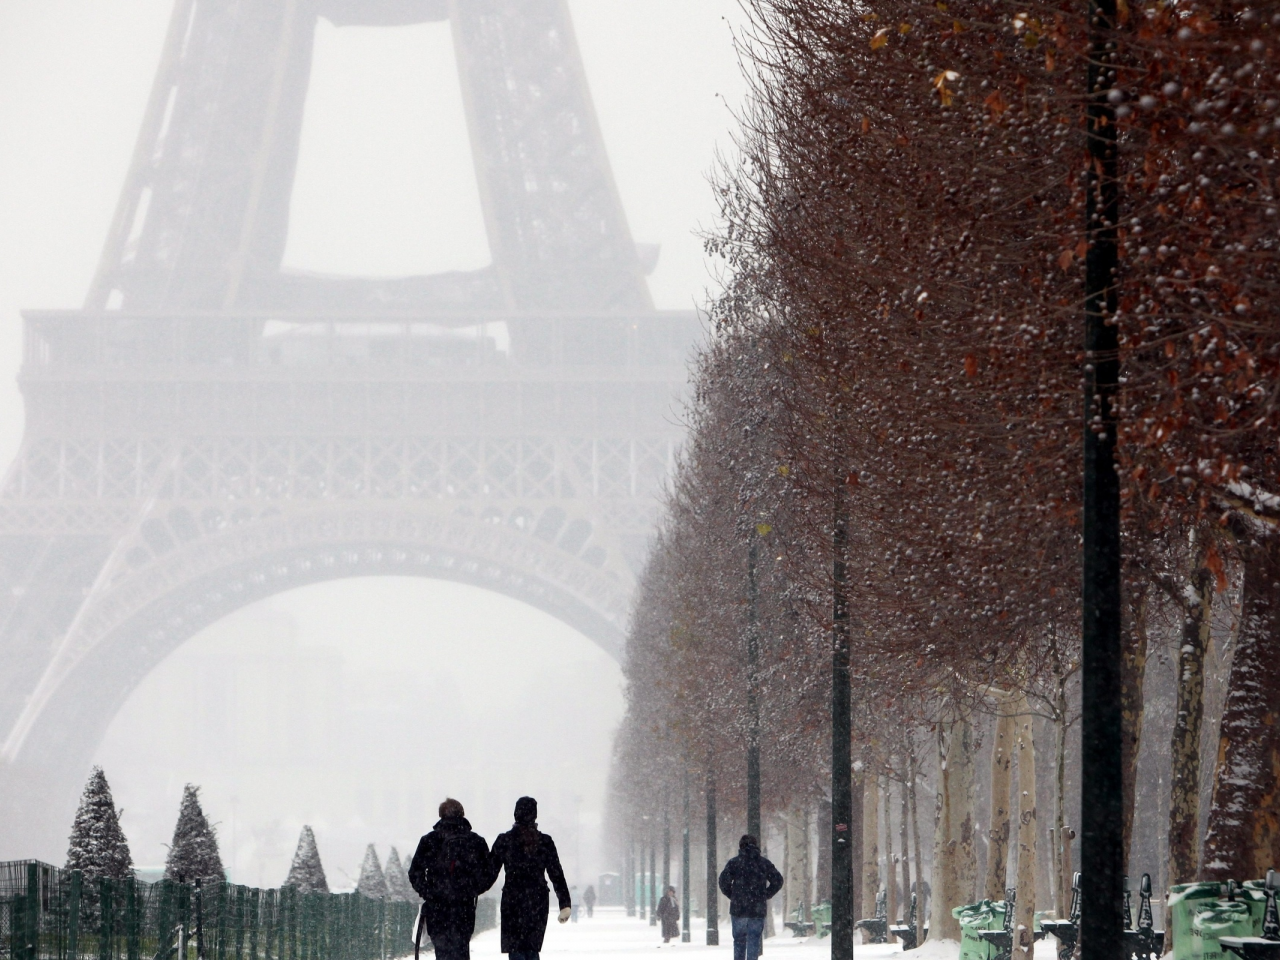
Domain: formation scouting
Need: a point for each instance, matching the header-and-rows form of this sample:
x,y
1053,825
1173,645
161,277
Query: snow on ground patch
x,y
937,950
612,933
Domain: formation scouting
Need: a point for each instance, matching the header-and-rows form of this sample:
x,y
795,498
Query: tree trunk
x,y
769,930
890,865
870,845
998,835
1027,835
942,874
1242,839
915,835
904,813
823,892
790,875
1184,749
856,839
954,863
808,866
1133,669
1062,838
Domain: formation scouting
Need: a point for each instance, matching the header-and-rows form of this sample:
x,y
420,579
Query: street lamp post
x,y
841,753
1101,835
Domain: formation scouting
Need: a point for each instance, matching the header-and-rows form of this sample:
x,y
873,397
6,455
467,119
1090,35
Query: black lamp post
x,y
1101,837
841,754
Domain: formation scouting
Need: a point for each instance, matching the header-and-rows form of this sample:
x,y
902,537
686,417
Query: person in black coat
x,y
669,915
449,870
748,880
529,857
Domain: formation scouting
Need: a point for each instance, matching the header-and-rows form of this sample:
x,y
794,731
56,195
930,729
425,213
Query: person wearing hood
x,y
748,880
450,869
529,857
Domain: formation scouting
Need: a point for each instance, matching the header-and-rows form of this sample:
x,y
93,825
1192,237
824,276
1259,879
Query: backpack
x,y
451,872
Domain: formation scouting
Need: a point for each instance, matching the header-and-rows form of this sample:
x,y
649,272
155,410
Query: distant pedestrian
x,y
449,870
669,913
748,880
589,898
529,857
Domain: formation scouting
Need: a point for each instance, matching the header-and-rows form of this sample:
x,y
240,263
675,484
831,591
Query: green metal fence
x,y
52,914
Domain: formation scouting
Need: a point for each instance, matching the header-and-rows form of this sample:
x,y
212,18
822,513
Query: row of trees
x,y
98,848
391,883
888,410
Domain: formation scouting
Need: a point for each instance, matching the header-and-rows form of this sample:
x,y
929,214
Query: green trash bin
x,y
974,918
1185,899
822,918
1254,893
1222,919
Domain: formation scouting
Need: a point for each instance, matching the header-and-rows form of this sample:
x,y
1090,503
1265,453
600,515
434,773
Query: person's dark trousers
x,y
747,934
591,910
523,955
452,946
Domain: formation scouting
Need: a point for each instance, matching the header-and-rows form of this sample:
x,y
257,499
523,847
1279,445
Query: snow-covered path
x,y
612,933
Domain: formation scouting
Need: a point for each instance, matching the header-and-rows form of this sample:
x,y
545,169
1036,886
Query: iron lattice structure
x,y
211,429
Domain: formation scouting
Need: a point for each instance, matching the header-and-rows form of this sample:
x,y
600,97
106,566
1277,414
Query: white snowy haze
x,y
356,706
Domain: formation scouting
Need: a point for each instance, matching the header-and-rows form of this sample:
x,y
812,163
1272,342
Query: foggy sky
x,y
74,79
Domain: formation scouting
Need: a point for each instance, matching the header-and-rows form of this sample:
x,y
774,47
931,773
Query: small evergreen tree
x,y
97,845
372,883
306,872
398,887
194,852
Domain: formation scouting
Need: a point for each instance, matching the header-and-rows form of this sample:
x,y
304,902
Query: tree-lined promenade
x,y
886,444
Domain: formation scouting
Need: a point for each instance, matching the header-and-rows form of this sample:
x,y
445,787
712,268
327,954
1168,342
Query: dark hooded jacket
x,y
449,870
529,857
749,880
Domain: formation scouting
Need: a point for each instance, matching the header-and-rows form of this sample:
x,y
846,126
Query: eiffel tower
x,y
212,429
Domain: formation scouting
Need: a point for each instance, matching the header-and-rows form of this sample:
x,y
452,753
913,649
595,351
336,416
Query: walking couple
x,y
453,865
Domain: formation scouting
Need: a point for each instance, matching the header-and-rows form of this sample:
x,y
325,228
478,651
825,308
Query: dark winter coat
x,y
749,880
669,913
524,892
449,870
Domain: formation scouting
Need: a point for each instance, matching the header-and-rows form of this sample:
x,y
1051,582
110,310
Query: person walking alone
x,y
529,857
669,913
589,898
449,870
748,880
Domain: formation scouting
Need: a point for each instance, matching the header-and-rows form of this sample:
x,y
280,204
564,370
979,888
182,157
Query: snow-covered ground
x,y
611,932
